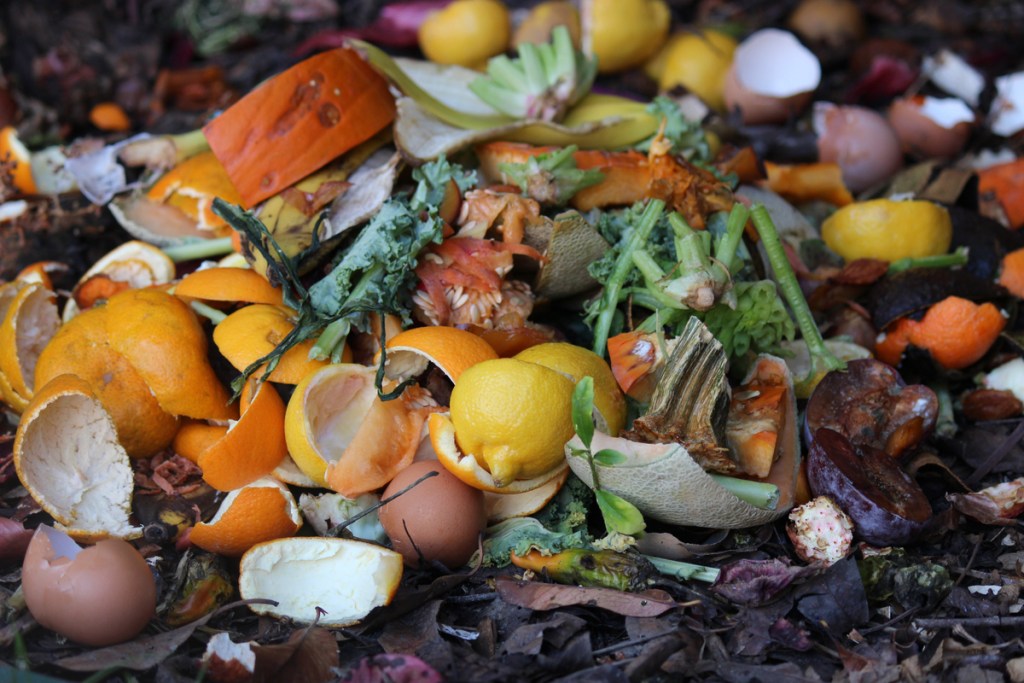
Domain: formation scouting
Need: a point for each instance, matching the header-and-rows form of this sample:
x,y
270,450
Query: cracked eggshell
x,y
860,140
931,127
440,517
1006,117
98,596
772,77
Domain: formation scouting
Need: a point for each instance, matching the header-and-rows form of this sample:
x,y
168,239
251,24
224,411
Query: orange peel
x,y
449,348
253,446
229,284
261,511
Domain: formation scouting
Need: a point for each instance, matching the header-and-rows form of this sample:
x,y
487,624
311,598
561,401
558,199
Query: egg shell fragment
x,y
440,517
931,127
772,77
860,140
344,578
98,596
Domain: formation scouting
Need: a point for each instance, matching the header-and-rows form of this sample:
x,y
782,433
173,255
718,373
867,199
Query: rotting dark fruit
x,y
886,505
871,406
857,424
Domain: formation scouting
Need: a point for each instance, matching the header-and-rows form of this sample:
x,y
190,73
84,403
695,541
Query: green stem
x,y
757,493
199,249
189,144
957,258
215,316
623,265
822,359
653,274
660,317
726,251
685,571
690,251
332,336
945,423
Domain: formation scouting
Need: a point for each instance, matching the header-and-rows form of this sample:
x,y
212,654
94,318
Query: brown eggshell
x,y
99,595
442,516
757,109
923,137
860,140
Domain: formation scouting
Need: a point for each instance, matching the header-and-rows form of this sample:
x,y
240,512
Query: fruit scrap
x,y
1011,272
623,34
999,504
870,404
1000,193
628,177
956,332
757,413
820,531
886,505
466,32
637,359
801,183
298,121
462,281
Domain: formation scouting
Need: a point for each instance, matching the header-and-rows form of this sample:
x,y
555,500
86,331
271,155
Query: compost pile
x,y
469,340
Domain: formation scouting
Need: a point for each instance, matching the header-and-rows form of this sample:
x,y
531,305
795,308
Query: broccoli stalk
x,y
823,360
609,301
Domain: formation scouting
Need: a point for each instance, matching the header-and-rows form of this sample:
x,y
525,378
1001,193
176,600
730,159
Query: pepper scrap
x,y
298,121
594,568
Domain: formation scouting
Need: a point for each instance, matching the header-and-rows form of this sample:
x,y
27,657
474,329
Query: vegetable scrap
x,y
486,340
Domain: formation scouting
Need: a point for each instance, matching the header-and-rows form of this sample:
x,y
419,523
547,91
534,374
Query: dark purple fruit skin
x,y
873,523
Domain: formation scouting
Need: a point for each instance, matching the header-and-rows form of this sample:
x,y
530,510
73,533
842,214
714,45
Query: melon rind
x,y
668,485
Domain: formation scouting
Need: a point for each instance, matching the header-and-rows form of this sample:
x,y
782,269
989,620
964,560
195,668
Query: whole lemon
x,y
698,62
888,230
578,362
513,417
466,33
623,34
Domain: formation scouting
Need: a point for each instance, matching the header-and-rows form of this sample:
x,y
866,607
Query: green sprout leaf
x,y
583,410
619,515
609,457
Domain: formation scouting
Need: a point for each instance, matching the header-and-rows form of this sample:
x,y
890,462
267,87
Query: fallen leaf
x,y
307,657
756,582
146,652
835,600
562,643
14,538
547,596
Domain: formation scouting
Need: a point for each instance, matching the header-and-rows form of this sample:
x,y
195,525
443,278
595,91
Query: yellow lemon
x,y
623,34
888,230
466,33
577,362
513,417
698,62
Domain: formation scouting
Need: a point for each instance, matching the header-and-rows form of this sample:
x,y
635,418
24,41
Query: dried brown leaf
x,y
307,657
548,596
146,652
